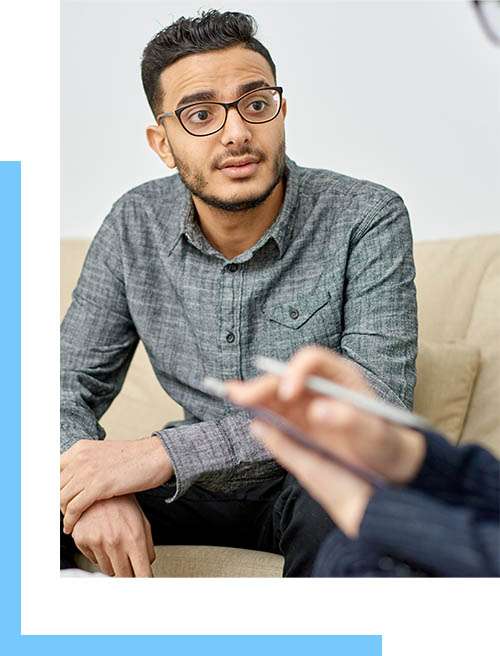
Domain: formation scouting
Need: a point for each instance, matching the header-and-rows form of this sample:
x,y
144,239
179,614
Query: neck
x,y
232,233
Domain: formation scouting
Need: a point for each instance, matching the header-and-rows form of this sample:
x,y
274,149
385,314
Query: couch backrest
x,y
458,291
458,288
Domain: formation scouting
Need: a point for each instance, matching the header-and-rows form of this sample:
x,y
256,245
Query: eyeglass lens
x,y
256,107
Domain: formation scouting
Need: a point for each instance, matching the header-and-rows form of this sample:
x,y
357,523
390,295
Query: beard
x,y
196,182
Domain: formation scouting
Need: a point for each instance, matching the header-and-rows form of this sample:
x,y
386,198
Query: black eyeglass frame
x,y
227,107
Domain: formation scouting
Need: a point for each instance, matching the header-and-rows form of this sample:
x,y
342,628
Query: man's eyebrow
x,y
209,94
250,86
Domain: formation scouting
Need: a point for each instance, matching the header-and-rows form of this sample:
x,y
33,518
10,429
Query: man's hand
x,y
115,535
92,470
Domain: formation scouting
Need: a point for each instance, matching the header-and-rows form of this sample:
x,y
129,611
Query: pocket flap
x,y
296,312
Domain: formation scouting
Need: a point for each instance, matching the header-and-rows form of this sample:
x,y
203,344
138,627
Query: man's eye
x,y
257,105
200,116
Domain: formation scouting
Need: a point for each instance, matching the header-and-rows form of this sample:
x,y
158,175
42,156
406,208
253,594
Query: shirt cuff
x,y
194,452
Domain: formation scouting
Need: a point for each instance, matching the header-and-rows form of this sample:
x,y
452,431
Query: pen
x,y
218,388
334,390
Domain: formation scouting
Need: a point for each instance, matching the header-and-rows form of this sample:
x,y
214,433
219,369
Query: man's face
x,y
200,160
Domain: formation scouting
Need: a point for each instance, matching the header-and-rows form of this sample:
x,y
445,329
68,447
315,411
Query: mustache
x,y
251,152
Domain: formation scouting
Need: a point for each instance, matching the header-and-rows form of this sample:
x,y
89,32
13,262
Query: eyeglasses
x,y
203,118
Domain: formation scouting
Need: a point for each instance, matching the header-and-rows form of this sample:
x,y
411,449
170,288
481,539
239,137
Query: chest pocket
x,y
297,312
302,320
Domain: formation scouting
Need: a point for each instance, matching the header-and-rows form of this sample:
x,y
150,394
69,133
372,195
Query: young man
x,y
242,253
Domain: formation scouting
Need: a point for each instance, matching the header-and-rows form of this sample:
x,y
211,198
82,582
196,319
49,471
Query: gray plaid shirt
x,y
335,268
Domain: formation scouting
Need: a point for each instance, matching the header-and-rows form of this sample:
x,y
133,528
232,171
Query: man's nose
x,y
236,130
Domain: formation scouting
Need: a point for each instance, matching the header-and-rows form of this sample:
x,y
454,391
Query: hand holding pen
x,y
338,451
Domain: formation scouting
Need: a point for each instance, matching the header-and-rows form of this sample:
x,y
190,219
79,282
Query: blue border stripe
x,y
241,645
10,295
12,641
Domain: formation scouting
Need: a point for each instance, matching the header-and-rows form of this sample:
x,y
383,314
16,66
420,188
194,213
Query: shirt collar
x,y
281,230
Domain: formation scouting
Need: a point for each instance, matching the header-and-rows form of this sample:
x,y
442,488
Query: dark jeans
x,y
275,515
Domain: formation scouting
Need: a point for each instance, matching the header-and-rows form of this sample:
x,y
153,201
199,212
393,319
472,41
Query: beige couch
x,y
458,375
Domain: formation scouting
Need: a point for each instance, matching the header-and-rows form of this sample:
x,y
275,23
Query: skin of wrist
x,y
412,450
160,463
350,515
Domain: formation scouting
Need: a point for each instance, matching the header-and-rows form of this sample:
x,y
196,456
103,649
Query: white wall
x,y
403,93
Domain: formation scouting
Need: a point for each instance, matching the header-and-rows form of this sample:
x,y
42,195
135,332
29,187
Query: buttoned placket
x,y
230,320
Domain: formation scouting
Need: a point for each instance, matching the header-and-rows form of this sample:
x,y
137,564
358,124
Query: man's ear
x,y
158,141
283,107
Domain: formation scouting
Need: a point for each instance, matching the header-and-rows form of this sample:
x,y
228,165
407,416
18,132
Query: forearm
x,y
93,471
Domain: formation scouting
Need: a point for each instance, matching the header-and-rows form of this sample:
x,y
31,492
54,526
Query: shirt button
x,y
232,268
230,337
294,313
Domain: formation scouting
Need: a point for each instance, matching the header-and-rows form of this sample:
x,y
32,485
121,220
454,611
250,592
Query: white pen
x,y
334,390
218,388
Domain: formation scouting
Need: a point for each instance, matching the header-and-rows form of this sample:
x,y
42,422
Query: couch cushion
x,y
446,373
200,561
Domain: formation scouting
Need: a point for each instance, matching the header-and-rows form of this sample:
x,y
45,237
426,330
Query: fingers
x,y
120,562
149,540
68,492
117,558
255,391
350,432
75,507
131,552
319,361
68,455
297,459
65,458
103,562
66,476
139,561
333,414
89,554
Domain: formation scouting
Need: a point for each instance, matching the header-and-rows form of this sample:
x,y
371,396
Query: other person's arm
x,y
455,538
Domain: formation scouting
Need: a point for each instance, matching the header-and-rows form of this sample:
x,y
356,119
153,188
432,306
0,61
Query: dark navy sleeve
x,y
466,475
442,539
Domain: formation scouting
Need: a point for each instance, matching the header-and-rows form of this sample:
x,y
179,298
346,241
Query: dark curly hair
x,y
212,30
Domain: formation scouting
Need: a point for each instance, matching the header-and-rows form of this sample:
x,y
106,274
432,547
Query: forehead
x,y
220,70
